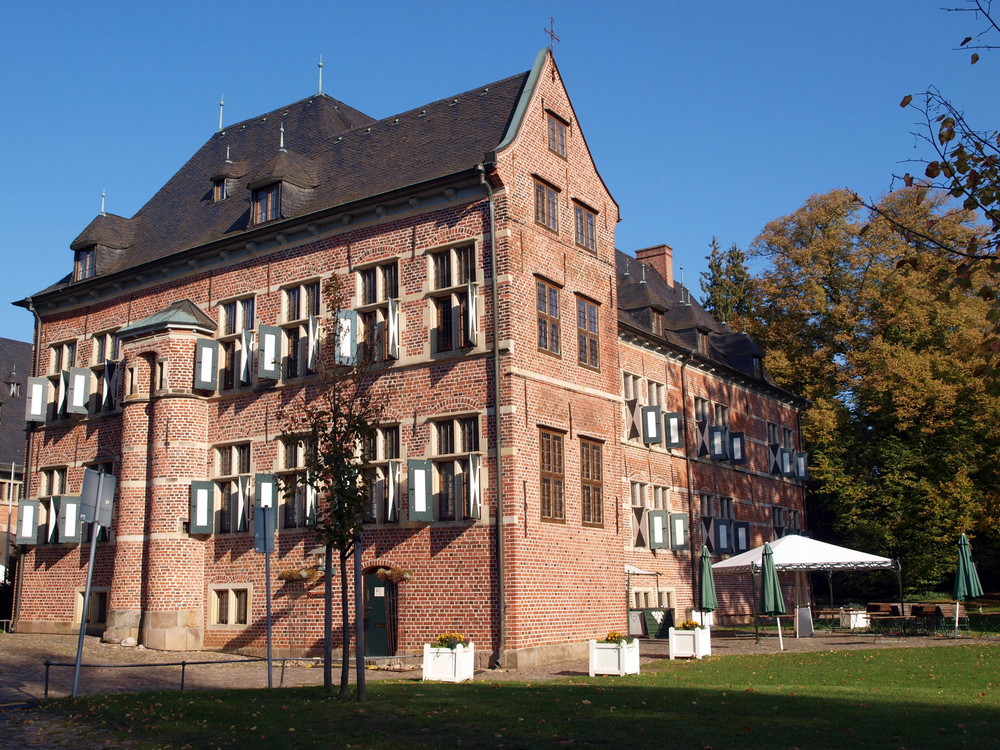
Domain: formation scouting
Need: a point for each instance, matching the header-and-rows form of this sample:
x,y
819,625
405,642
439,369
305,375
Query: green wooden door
x,y
377,624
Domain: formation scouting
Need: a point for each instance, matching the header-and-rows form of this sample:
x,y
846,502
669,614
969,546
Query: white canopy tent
x,y
802,554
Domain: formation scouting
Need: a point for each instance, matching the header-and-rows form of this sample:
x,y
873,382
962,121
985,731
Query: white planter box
x,y
614,658
690,643
705,619
449,664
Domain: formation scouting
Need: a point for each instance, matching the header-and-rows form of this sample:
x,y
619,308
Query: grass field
x,y
892,698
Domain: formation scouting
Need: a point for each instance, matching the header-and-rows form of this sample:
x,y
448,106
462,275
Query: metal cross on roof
x,y
551,31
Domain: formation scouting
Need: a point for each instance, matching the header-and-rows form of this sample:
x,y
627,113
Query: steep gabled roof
x,y
183,314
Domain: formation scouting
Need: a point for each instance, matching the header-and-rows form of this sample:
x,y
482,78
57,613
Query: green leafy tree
x,y
901,431
726,285
334,418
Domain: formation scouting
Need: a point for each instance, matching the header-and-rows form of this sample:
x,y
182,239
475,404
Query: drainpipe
x,y
25,481
690,477
498,483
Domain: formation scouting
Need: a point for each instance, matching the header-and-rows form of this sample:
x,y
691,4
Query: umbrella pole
x,y
957,605
829,581
753,593
781,643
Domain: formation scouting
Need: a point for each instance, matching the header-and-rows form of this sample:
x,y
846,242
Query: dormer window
x,y
657,322
86,263
219,191
267,203
703,342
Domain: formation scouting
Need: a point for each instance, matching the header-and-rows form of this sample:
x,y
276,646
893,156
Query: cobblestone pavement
x,y
23,657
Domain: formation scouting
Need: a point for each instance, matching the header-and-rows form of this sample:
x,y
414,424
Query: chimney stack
x,y
660,258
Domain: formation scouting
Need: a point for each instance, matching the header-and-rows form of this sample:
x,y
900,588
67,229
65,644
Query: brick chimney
x,y
661,258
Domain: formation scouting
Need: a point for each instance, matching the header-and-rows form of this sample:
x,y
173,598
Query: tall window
x,y
546,206
586,235
637,498
296,507
106,372
378,312
302,305
557,135
551,476
591,483
586,333
454,440
238,320
232,483
548,317
383,447
452,273
86,263
267,203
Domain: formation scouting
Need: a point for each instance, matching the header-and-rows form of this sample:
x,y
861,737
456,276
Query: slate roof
x,y
181,314
334,155
15,358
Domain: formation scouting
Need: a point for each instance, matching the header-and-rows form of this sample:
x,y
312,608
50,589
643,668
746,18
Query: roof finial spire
x,y
103,196
320,66
551,31
222,104
281,142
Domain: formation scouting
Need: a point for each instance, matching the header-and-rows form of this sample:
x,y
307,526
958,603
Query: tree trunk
x,y
345,662
328,622
359,620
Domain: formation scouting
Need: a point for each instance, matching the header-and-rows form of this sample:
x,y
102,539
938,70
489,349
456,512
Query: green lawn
x,y
892,698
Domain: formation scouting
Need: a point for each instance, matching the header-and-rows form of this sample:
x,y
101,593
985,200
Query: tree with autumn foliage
x,y
726,284
333,418
902,432
962,164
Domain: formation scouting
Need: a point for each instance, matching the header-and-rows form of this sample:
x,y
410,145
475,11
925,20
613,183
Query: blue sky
x,y
704,118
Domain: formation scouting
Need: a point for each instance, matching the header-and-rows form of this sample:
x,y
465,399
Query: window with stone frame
x,y
591,482
106,372
230,605
773,434
301,307
232,482
586,227
721,415
266,202
237,323
455,439
588,351
547,206
632,387
552,476
660,497
638,503
379,451
378,311
655,393
556,131
549,327
452,275
297,504
788,438
702,409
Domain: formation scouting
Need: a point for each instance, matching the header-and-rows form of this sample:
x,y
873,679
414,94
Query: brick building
x,y
533,368
15,365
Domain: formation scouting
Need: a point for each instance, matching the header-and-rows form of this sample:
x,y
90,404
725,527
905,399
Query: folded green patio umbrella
x,y
967,584
771,601
707,601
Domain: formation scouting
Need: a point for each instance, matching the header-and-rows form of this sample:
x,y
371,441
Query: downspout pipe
x,y
498,432
26,478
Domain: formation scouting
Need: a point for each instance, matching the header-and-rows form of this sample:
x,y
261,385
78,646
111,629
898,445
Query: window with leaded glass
x,y
552,476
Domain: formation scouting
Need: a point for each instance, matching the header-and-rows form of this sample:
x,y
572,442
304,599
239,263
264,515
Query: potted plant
x,y
617,654
690,639
450,658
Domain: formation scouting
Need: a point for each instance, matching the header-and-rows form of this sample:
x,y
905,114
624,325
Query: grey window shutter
x,y
471,314
635,418
741,536
206,365
774,458
392,322
679,531
718,443
69,520
78,390
802,466
787,462
723,535
27,522
268,352
202,513
474,492
111,385
673,428
659,529
639,526
38,400
737,448
652,425
708,533
347,337
62,398
312,344
704,443
420,490
392,492
246,357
